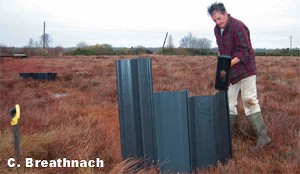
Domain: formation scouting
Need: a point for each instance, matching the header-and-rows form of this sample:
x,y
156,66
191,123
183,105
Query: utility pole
x,y
165,40
44,36
291,42
162,50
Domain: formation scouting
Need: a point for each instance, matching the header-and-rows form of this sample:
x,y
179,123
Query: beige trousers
x,y
248,90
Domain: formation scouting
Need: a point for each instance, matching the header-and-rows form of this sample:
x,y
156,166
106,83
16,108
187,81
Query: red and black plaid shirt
x,y
235,41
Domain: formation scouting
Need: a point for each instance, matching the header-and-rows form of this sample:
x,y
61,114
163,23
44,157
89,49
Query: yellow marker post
x,y
15,114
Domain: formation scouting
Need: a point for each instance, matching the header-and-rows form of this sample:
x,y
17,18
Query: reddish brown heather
x,y
76,116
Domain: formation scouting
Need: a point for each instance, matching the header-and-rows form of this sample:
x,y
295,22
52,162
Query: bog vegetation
x,y
76,116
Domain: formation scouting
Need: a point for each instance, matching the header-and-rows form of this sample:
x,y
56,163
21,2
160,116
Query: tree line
x,y
189,45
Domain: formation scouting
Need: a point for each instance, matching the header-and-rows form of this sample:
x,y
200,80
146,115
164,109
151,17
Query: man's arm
x,y
242,45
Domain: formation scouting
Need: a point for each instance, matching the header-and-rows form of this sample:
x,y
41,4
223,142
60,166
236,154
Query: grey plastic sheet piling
x,y
209,130
39,76
172,136
202,131
176,132
135,96
222,130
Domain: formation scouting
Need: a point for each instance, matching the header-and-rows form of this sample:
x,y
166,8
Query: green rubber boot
x,y
233,124
258,125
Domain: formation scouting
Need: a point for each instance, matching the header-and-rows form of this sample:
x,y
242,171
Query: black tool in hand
x,y
223,71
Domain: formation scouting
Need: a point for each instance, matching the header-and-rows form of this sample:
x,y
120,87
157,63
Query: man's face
x,y
220,19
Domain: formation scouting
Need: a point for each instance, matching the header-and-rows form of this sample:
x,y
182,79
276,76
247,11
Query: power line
x,y
152,30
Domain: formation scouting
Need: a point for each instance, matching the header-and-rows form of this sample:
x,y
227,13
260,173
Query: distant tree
x,y
37,44
3,49
30,48
188,41
139,49
47,40
107,49
103,49
82,44
203,45
31,43
195,45
170,43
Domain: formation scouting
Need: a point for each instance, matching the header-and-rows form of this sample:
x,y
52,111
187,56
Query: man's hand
x,y
235,61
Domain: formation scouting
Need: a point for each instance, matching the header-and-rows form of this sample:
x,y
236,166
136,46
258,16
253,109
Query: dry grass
x,y
76,116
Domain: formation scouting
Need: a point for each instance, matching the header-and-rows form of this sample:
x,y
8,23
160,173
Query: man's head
x,y
218,14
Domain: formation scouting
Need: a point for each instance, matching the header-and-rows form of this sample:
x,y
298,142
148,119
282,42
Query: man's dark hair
x,y
216,7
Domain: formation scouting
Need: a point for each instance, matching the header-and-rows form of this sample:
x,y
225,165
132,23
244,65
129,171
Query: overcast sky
x,y
126,23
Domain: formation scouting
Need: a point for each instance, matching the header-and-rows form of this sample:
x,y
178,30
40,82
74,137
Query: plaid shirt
x,y
235,41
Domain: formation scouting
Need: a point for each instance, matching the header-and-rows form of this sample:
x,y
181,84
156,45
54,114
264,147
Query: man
x,y
233,38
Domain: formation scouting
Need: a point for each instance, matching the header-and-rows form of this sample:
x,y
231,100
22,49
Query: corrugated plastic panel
x,y
202,131
222,130
39,76
209,130
135,96
171,120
